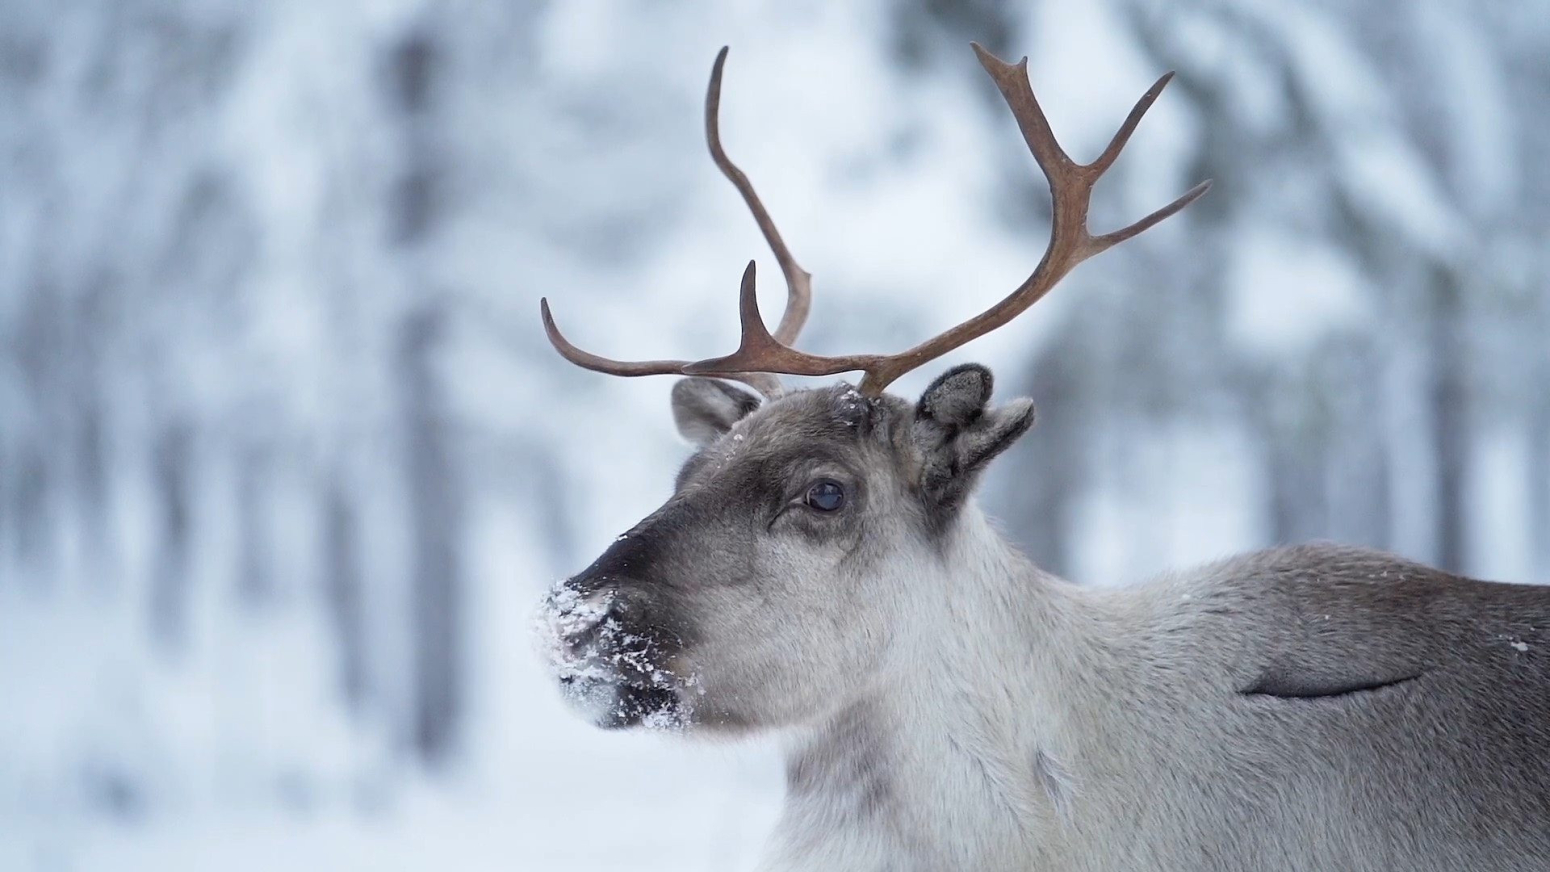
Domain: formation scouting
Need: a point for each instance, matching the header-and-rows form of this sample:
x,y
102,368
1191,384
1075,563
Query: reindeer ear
x,y
958,433
705,408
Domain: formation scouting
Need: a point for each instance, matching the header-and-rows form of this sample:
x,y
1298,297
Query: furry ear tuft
x,y
958,434
705,408
958,396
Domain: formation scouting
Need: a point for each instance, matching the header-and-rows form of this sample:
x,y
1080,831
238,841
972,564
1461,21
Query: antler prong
x,y
798,281
756,344
758,351
756,337
763,382
597,363
1012,80
1122,136
1108,240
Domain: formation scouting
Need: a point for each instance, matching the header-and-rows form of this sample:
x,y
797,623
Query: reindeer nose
x,y
576,616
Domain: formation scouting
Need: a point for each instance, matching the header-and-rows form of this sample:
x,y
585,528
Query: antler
x,y
1070,185
799,282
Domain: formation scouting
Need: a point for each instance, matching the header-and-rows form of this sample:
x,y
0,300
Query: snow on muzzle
x,y
613,664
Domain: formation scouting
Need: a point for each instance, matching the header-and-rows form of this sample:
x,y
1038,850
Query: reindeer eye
x,y
827,495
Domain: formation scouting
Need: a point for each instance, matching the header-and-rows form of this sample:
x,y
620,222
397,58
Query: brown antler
x,y
799,282
1070,184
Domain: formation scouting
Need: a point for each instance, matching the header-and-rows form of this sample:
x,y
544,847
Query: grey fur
x,y
957,434
704,408
947,705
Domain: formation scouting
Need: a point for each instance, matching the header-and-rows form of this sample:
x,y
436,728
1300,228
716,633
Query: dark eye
x,y
827,495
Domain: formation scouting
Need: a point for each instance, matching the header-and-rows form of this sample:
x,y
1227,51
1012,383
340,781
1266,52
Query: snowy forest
x,y
286,461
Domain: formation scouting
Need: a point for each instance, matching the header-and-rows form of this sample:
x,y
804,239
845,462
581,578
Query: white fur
x,y
1023,723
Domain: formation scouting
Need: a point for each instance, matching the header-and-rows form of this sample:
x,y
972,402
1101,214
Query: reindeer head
x,y
762,593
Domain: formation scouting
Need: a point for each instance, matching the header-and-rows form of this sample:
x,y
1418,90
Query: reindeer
x,y
822,572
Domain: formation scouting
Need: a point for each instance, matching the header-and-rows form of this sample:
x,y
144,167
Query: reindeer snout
x,y
575,618
608,658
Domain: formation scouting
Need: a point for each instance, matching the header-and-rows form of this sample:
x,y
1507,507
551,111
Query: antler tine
x,y
596,363
760,352
1052,159
1122,136
799,282
1113,238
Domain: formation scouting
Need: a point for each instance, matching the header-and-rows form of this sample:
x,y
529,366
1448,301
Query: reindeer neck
x,y
958,746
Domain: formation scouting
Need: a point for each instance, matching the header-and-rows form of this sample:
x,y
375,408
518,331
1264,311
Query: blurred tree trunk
x,y
31,516
40,359
171,473
90,335
1358,478
416,69
91,475
1048,476
255,583
1539,458
5,495
343,590
435,511
1449,415
1298,463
